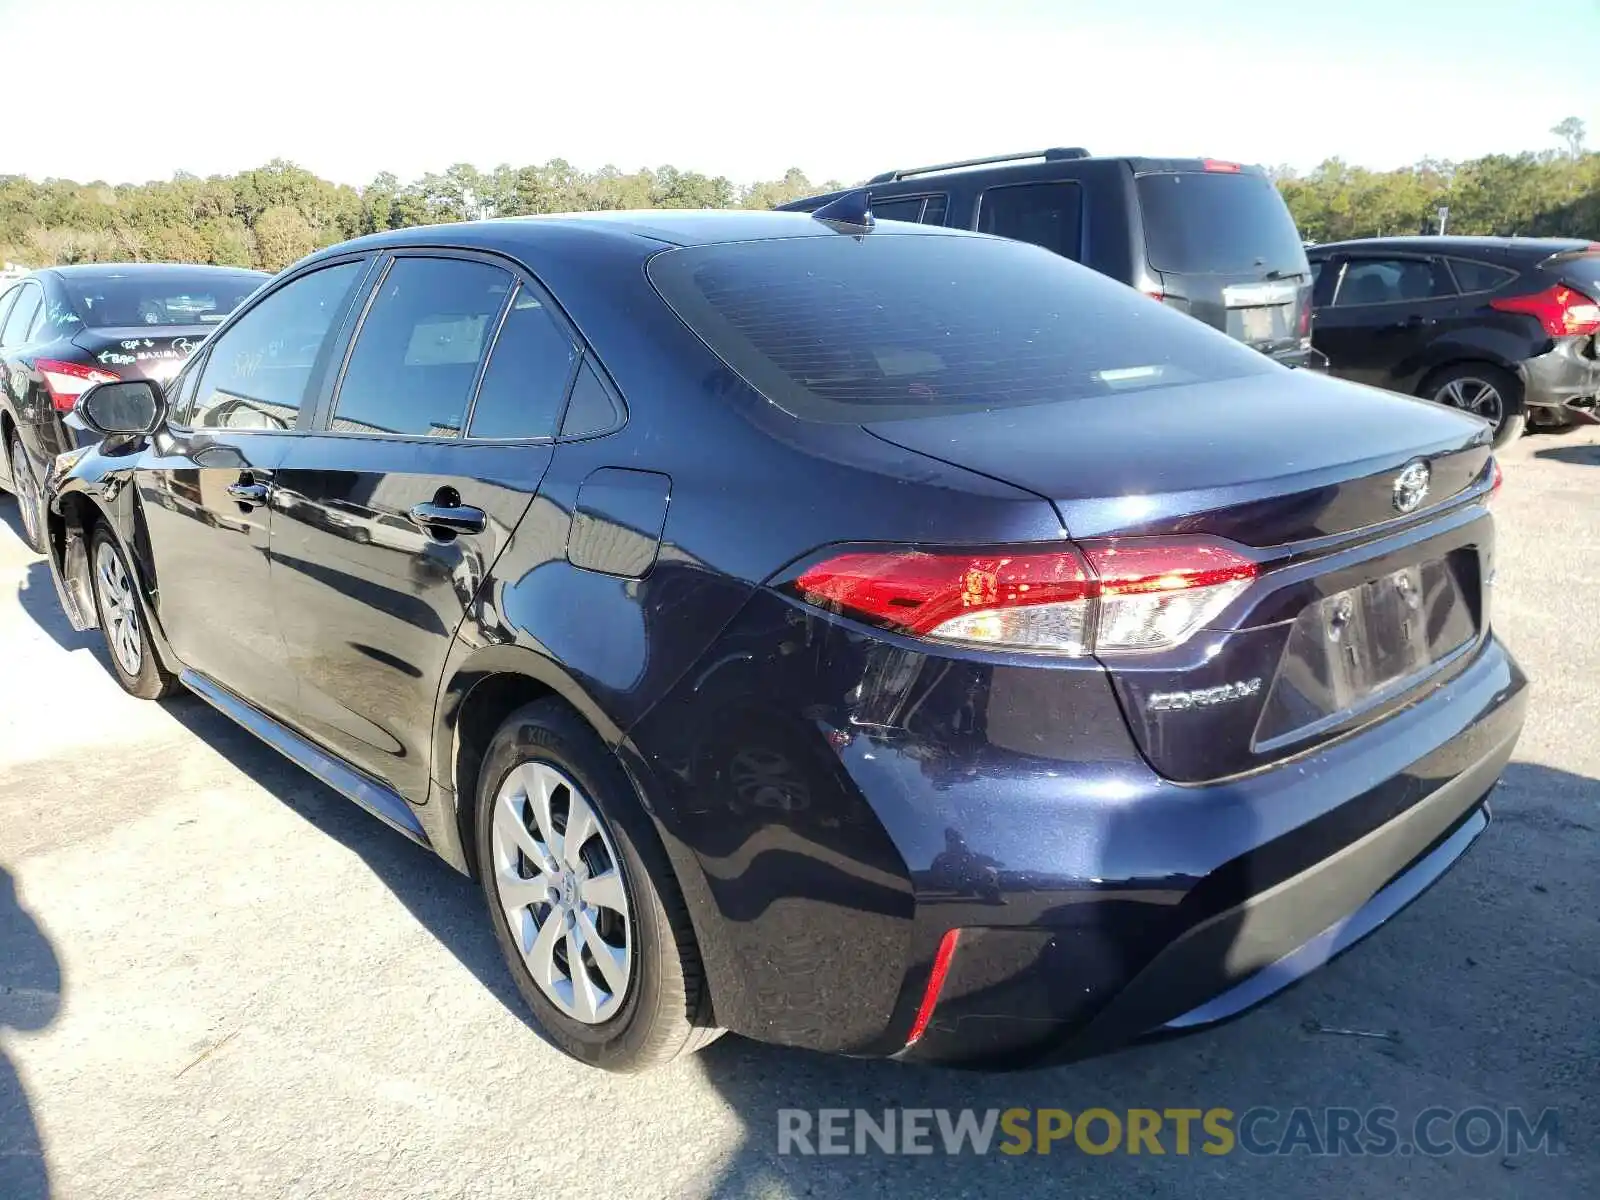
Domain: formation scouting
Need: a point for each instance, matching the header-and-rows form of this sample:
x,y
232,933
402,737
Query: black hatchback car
x,y
788,625
1210,238
1501,327
64,328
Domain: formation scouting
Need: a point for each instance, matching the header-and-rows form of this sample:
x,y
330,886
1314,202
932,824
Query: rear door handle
x,y
249,493
448,518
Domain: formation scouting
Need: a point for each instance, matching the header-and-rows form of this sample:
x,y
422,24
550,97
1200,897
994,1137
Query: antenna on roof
x,y
853,209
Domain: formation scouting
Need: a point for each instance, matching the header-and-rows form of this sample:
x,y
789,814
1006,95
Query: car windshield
x,y
883,326
1217,223
168,298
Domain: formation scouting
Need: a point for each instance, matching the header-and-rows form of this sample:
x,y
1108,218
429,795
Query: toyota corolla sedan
x,y
65,328
888,640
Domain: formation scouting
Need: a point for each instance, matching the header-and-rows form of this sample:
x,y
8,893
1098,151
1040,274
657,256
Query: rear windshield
x,y
881,326
170,298
1216,223
1581,271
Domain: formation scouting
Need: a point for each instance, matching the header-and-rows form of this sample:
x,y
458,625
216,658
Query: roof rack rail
x,y
1053,154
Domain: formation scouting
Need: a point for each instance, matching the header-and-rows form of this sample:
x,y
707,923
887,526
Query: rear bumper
x,y
1274,904
1564,378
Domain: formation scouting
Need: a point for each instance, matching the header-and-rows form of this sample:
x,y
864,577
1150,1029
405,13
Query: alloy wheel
x,y
559,882
27,489
1474,395
118,610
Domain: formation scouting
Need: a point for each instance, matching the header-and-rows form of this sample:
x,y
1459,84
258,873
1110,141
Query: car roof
x,y
1498,247
647,228
142,270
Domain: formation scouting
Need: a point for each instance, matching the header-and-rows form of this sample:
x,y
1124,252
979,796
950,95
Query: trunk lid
x,y
141,351
1358,606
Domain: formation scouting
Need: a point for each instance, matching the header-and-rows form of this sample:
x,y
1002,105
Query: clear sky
x,y
747,88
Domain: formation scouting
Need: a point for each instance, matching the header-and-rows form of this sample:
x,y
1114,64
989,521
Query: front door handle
x,y
448,518
249,493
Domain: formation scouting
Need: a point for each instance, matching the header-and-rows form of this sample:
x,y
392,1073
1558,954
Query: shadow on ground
x,y
30,997
1581,454
37,597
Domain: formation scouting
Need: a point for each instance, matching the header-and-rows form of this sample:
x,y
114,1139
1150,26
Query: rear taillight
x,y
1561,310
1496,479
1115,596
67,381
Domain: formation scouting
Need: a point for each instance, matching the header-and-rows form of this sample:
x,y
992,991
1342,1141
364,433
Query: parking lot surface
x,y
218,978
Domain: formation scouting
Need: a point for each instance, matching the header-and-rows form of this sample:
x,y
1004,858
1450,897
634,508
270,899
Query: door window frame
x,y
33,321
1433,262
326,404
316,383
922,208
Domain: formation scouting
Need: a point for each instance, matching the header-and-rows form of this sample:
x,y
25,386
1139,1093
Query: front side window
x,y
1046,214
258,370
22,315
526,380
417,355
1391,281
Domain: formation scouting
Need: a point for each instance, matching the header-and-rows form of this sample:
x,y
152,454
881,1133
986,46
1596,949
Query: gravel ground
x,y
217,978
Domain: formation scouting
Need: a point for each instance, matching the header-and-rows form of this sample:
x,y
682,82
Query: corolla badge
x,y
1205,697
1411,486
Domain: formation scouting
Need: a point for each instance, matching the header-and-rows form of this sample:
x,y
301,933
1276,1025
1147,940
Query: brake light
x,y
936,978
1561,310
67,381
1496,479
1119,595
1216,164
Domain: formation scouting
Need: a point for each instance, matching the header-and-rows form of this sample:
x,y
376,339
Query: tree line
x,y
273,215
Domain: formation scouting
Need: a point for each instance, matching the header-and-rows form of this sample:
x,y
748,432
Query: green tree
x,y
283,236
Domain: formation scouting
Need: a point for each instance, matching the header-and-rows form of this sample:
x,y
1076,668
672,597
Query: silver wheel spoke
x,y
518,892
580,828
508,827
613,963
539,781
585,1003
541,955
605,891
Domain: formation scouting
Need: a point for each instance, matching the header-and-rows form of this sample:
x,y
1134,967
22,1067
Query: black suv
x,y
1502,327
1210,238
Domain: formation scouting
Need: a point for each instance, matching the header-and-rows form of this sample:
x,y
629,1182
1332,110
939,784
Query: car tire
x,y
25,486
123,623
1484,390
546,767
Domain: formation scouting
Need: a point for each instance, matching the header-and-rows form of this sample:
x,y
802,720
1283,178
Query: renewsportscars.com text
x,y
1328,1131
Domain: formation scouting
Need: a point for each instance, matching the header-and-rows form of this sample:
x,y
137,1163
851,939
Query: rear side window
x,y
1218,223
22,314
1046,214
899,210
839,328
1393,281
1479,277
416,358
526,380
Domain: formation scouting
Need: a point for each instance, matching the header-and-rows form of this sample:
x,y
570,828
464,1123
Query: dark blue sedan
x,y
875,638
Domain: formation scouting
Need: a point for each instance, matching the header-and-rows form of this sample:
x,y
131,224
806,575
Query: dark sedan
x,y
64,328
882,639
1501,327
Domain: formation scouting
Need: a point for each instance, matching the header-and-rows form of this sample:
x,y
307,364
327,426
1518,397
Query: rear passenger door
x,y
424,458
1384,312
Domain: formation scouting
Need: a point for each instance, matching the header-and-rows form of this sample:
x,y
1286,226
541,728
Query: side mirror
x,y
127,406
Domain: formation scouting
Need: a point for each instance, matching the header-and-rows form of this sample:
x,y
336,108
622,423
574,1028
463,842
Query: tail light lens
x,y
1216,164
67,381
1127,595
1496,479
1561,310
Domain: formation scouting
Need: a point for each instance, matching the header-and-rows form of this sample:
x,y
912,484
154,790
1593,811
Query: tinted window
x,y
1046,214
906,326
525,382
416,357
257,370
181,400
1479,277
590,410
1215,222
934,213
1392,280
22,315
159,297
7,298
898,210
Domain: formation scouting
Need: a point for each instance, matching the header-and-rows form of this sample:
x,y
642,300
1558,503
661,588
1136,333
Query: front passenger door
x,y
1384,312
205,483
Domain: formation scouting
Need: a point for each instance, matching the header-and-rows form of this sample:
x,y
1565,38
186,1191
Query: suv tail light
x,y
1119,595
67,381
1561,310
1216,164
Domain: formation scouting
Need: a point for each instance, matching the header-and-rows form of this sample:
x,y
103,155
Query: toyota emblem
x,y
1411,486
